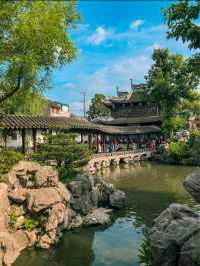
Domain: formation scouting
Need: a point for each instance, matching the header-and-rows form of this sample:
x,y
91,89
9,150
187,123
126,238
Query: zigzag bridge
x,y
102,160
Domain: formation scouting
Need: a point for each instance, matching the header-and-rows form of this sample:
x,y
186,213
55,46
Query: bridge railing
x,y
122,153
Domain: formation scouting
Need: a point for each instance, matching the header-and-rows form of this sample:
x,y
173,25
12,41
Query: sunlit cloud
x,y
136,24
99,36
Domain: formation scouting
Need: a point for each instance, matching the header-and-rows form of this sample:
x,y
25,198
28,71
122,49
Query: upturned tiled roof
x,y
132,120
37,122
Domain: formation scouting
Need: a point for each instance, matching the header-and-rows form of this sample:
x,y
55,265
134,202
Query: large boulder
x,y
11,245
82,204
4,207
190,251
56,216
42,198
106,189
46,176
97,216
17,193
172,229
63,192
48,239
117,199
192,185
81,186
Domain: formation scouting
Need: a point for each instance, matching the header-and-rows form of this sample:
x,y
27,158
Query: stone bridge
x,y
103,160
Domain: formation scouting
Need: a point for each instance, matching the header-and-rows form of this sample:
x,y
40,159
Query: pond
x,y
150,188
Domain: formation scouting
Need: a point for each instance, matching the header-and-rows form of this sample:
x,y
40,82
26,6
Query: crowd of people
x,y
114,146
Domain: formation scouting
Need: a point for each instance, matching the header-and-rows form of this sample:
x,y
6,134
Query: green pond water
x,y
150,188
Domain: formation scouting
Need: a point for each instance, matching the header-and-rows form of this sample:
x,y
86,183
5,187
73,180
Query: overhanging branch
x,y
18,85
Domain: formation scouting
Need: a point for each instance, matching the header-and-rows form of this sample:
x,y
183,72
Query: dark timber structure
x,y
95,135
130,109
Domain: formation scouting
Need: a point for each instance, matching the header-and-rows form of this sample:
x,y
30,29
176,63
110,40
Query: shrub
x,y
177,150
145,253
63,148
12,217
9,158
30,224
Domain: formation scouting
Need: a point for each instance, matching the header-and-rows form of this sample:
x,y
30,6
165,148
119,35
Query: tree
x,y
182,20
97,107
168,81
34,39
25,103
64,149
191,106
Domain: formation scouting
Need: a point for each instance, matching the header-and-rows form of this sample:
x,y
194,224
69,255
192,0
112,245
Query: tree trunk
x,y
18,85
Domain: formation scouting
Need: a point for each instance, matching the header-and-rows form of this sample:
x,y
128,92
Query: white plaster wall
x,y
11,143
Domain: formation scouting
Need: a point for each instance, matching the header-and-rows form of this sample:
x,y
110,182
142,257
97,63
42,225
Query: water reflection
x,y
150,188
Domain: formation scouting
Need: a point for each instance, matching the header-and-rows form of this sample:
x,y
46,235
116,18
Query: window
x,y
14,135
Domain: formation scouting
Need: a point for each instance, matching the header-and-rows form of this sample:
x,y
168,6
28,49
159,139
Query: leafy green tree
x,y
64,149
182,21
25,103
97,107
8,158
34,39
191,106
168,81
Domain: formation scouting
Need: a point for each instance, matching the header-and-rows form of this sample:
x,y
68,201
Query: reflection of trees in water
x,y
74,249
150,188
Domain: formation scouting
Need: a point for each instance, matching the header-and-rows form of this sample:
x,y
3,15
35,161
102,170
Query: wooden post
x,y
104,143
34,136
81,137
138,142
97,143
89,141
23,141
5,138
127,142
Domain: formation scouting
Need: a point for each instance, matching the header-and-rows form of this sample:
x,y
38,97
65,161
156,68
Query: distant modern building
x,y
58,109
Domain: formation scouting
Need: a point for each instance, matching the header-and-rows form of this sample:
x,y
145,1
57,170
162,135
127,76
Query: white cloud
x,y
99,36
153,47
68,85
136,24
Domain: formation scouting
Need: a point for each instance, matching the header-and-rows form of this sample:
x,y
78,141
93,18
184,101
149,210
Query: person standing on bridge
x,y
110,148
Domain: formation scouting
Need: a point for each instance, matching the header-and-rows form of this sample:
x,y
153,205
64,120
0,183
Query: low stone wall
x,y
36,208
175,237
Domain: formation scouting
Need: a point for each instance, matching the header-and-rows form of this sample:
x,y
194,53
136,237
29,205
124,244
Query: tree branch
x,y
18,85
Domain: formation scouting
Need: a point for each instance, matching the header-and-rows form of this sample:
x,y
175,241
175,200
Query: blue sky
x,y
115,40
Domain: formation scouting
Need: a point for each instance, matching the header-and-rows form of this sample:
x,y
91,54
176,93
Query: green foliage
x,y
177,150
12,217
97,107
145,253
168,81
25,103
34,39
64,149
30,224
9,158
182,21
191,106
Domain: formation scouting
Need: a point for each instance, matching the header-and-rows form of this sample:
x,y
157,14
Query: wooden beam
x,y
23,141
97,143
34,136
